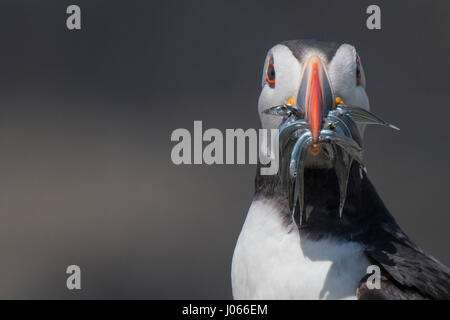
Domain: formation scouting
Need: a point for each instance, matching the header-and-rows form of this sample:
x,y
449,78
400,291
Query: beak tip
x,y
315,148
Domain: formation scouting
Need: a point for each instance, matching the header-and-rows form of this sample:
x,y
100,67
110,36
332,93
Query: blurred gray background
x,y
86,118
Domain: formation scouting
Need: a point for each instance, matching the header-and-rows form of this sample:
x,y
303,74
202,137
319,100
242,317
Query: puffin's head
x,y
314,92
289,74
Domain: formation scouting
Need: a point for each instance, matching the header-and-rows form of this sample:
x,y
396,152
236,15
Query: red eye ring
x,y
358,72
270,73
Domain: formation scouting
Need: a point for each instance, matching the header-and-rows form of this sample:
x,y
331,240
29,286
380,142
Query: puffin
x,y
317,229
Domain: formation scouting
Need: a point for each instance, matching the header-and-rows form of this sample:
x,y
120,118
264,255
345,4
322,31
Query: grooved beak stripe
x,y
314,101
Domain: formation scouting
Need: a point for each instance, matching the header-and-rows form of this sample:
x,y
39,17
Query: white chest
x,y
272,261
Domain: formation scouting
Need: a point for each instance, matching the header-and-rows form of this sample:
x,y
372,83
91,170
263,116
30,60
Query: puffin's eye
x,y
358,72
270,75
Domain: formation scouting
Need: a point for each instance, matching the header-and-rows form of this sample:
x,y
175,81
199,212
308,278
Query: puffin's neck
x,y
322,201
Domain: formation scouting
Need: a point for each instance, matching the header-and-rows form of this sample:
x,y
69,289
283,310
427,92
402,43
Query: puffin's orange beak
x,y
314,101
315,96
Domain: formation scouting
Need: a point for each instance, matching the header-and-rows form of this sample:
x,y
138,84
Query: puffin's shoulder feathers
x,y
407,271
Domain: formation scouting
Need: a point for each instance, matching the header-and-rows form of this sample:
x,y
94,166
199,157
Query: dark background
x,y
86,118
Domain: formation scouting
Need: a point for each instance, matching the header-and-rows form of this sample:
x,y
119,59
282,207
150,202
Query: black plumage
x,y
300,47
407,271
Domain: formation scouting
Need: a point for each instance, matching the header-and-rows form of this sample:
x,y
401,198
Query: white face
x,y
342,73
